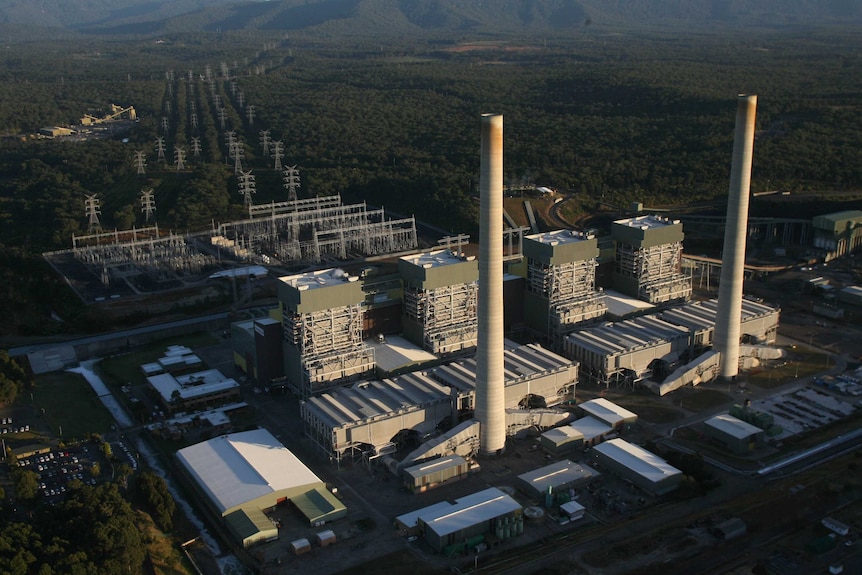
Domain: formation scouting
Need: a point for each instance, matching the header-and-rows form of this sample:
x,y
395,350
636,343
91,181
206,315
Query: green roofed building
x,y
838,234
242,476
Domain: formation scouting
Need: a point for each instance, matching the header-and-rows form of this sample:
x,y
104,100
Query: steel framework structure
x,y
329,343
447,315
656,269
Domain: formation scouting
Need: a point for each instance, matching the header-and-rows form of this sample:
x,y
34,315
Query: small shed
x,y
300,546
608,412
573,510
325,538
561,441
730,529
732,433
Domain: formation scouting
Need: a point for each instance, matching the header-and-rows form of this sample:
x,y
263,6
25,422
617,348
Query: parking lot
x,y
57,469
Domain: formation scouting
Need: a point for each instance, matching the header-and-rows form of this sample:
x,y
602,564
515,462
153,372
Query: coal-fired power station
x,y
727,325
490,392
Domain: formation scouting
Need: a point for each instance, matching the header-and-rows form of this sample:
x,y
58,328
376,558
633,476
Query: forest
x,y
608,117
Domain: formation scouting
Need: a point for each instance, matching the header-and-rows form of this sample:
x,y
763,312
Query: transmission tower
x,y
222,116
169,75
170,90
230,140
240,98
140,162
278,153
217,101
91,205
194,120
196,147
160,148
165,124
247,187
148,204
233,87
191,77
208,73
250,114
167,106
238,155
180,158
265,142
291,182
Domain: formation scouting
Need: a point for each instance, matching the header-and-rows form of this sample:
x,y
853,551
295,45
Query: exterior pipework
x,y
490,392
729,312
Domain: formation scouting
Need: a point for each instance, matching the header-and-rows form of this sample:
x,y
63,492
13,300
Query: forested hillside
x,y
397,17
615,118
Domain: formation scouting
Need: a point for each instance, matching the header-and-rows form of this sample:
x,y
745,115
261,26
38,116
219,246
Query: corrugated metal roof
x,y
470,510
607,411
646,464
732,426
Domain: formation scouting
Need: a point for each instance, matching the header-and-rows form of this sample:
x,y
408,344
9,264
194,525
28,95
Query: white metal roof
x,y
571,508
646,222
240,467
559,435
435,259
639,460
629,335
556,474
435,465
607,411
620,305
396,352
318,279
559,237
590,427
470,510
191,385
732,426
519,363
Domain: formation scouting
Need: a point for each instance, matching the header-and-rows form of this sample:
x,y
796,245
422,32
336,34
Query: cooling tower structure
x,y
490,409
727,325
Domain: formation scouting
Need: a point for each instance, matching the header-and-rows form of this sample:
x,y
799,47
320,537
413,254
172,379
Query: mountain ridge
x,y
398,17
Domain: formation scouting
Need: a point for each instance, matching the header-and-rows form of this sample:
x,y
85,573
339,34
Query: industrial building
x,y
430,474
470,520
732,433
561,441
258,349
371,415
626,352
193,391
322,319
648,259
644,469
440,300
591,430
758,322
243,475
556,477
615,416
838,234
561,283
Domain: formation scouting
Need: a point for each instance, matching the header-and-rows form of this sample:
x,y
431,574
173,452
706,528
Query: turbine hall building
x,y
758,322
626,352
370,415
561,283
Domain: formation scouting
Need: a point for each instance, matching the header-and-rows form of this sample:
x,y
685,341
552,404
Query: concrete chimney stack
x,y
729,313
490,394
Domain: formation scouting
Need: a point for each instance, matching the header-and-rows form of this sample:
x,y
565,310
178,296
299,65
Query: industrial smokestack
x,y
727,322
490,393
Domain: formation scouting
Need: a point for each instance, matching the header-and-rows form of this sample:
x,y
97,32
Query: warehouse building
x,y
626,352
562,441
557,477
434,473
591,430
608,412
451,527
243,475
645,470
732,433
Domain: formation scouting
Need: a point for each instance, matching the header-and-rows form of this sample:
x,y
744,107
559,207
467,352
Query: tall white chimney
x,y
729,313
490,394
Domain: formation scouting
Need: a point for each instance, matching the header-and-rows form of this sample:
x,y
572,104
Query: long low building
x,y
451,526
608,412
243,474
559,476
193,391
371,415
733,433
644,469
624,352
758,321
